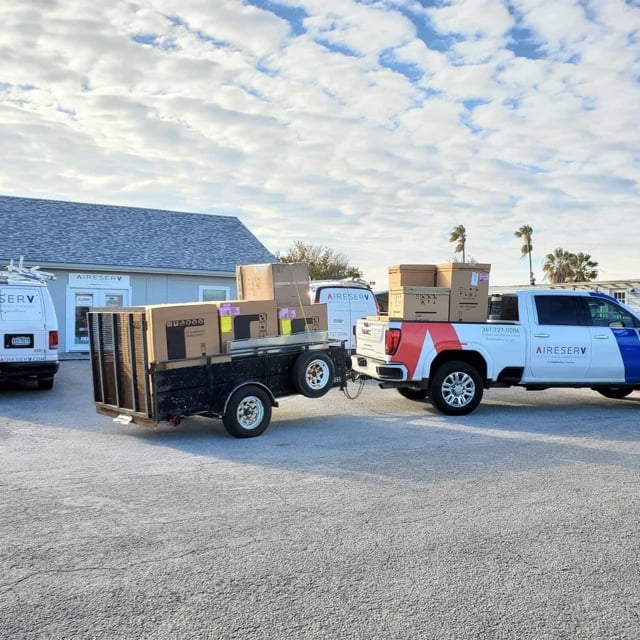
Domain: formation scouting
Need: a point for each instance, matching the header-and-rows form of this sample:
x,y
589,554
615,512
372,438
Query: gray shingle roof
x,y
54,232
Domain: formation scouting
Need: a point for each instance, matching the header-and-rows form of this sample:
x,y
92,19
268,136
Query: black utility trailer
x,y
240,387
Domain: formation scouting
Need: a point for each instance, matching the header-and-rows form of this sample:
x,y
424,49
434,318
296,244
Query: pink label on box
x,y
286,313
228,310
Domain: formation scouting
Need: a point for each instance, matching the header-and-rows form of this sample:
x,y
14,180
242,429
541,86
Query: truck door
x,y
560,346
615,336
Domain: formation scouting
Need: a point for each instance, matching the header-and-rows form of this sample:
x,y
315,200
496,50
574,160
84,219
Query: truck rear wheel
x,y
313,374
248,412
456,388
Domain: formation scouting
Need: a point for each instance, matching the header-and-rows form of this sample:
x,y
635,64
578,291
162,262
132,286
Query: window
x,y
603,313
620,296
560,310
209,293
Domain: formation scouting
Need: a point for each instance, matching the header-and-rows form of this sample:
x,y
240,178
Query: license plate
x,y
19,341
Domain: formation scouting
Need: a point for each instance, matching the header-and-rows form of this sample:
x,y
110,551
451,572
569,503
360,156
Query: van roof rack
x,y
18,271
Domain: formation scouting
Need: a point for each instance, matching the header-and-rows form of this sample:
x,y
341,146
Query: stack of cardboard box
x,y
273,300
455,292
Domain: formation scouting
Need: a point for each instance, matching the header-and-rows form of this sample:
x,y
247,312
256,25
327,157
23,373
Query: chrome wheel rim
x,y
458,389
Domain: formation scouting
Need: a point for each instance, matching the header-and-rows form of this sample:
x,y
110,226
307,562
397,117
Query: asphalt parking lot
x,y
365,519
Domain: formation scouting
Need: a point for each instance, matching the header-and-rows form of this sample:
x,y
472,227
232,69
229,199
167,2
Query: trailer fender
x,y
264,387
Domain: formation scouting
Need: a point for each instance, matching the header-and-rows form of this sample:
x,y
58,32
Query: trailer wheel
x,y
413,393
248,412
313,374
456,388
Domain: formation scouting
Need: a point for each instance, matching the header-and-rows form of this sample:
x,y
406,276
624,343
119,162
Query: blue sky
x,y
372,127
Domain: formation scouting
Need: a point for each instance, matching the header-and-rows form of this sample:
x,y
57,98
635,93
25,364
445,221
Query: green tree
x,y
525,232
564,266
583,267
459,236
557,266
324,263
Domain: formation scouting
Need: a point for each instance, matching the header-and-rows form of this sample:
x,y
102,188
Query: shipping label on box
x,y
419,303
178,331
243,319
302,318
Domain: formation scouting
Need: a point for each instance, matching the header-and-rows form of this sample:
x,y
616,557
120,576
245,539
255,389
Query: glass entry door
x,y
79,301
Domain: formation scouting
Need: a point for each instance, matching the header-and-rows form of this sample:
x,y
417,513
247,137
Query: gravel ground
x,y
374,518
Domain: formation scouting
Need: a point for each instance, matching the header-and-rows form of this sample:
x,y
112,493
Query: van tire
x,y
45,383
313,374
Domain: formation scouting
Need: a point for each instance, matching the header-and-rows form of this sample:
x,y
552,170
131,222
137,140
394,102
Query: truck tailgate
x,y
370,338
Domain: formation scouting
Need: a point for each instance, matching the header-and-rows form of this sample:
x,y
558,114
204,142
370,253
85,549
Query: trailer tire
x,y
617,393
456,388
313,374
248,412
413,393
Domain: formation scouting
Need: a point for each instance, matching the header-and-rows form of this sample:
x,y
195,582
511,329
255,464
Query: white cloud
x,y
343,127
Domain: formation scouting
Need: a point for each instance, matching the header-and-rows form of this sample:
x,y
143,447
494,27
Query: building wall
x,y
74,291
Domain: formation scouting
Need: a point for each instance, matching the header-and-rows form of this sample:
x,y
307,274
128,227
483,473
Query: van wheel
x,y
45,383
313,374
248,412
456,388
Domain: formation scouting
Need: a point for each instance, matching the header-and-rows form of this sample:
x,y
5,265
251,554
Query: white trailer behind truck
x,y
544,338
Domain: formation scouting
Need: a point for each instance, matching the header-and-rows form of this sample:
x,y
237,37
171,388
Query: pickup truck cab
x,y
543,338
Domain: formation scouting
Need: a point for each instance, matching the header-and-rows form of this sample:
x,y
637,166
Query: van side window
x,y
560,310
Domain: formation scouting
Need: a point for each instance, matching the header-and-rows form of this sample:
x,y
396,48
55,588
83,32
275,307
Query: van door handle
x,y
601,336
540,335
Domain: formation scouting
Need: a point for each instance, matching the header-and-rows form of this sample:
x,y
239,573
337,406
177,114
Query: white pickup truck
x,y
544,338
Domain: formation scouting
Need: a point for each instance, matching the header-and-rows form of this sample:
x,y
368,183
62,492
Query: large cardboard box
x,y
469,285
285,282
178,331
312,317
412,275
242,319
419,303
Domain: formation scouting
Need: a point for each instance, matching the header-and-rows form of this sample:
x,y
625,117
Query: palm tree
x,y
583,267
525,232
557,266
459,235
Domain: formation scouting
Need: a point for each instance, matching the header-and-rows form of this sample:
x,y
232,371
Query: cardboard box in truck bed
x,y
412,275
469,284
419,303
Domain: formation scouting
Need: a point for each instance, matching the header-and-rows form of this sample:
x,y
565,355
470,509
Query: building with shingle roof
x,y
105,255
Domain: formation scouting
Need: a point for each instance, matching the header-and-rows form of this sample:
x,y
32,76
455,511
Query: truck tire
x,y
413,393
313,374
248,412
617,393
456,388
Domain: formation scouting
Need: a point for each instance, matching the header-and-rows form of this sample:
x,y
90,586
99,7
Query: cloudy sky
x,y
372,127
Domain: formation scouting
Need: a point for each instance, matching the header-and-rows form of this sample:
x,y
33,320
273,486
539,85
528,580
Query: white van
x,y
28,327
347,301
